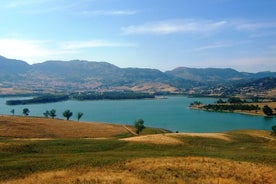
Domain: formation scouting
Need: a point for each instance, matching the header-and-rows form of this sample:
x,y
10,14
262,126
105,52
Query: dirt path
x,y
129,130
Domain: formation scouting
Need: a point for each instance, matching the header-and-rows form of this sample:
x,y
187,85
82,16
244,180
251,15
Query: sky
x,y
161,34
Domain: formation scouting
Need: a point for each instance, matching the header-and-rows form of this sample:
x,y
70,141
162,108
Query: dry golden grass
x,y
153,87
154,168
182,170
173,138
256,133
31,127
222,136
165,139
9,91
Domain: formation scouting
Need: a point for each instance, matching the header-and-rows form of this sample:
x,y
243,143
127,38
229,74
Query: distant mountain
x,y
263,74
11,69
216,74
78,75
77,71
208,74
262,84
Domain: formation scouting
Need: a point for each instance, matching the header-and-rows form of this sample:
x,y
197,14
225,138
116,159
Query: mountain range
x,y
77,75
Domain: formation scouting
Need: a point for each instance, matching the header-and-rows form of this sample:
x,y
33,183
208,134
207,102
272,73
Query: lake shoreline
x,y
195,107
171,114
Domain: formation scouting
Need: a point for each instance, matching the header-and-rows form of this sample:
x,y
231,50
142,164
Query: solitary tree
x,y
12,111
267,110
46,114
26,111
52,113
67,113
80,114
139,125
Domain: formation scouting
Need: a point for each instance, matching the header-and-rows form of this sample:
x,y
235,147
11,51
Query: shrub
x,y
267,110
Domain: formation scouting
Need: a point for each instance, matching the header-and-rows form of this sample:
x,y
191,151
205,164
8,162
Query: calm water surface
x,y
172,113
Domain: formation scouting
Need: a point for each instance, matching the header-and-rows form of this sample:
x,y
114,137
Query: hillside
x,y
39,151
207,74
18,77
11,69
216,74
34,127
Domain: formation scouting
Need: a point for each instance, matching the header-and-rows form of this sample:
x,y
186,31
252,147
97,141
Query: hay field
x,y
35,127
40,151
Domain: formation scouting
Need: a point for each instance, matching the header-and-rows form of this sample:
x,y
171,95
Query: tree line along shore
x,y
235,104
50,98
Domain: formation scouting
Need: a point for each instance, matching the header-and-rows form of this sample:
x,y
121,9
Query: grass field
x,y
231,157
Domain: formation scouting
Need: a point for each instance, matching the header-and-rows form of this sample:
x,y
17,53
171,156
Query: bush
x,y
267,110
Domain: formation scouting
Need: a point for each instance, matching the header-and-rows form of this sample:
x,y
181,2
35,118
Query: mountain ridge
x,y
82,75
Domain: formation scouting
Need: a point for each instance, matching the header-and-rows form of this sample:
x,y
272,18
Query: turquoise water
x,y
172,114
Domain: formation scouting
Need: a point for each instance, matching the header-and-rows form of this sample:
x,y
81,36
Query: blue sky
x,y
162,34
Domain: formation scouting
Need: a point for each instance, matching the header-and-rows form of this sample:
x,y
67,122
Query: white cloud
x,y
92,43
222,44
20,3
24,48
113,12
255,26
39,50
211,46
175,26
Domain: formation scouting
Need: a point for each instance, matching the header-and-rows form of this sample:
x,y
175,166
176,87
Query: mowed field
x,y
38,150
36,127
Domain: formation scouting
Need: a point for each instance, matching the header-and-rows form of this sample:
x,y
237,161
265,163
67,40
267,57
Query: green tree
x,y
234,100
80,114
52,113
46,114
13,111
267,110
139,125
26,112
67,114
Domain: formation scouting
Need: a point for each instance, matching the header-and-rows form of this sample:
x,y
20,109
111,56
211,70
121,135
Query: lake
x,y
172,113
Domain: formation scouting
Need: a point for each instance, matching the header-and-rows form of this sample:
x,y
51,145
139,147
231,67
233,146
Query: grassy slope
x,y
34,127
246,157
